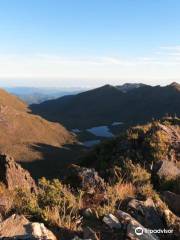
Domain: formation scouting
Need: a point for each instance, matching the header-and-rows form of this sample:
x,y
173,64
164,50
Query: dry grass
x,y
125,190
115,195
146,191
7,99
54,205
64,219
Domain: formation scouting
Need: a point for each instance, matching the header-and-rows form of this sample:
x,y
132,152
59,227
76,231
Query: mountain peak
x,y
126,87
104,89
107,86
175,85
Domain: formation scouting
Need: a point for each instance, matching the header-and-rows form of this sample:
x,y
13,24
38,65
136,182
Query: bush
x,y
157,143
54,204
26,203
59,205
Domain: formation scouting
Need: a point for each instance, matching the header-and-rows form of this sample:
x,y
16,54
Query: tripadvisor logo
x,y
139,231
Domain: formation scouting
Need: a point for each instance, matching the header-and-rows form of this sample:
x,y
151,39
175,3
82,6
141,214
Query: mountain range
x,y
128,182
32,95
129,103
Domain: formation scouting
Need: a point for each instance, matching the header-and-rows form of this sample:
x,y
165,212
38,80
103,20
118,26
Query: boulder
x,y
134,230
166,170
112,221
166,176
14,176
39,231
17,227
145,212
172,200
154,215
85,178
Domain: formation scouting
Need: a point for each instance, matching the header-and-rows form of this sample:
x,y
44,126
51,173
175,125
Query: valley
x,y
89,120
82,171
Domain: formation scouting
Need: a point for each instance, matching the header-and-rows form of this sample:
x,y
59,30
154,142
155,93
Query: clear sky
x,y
89,42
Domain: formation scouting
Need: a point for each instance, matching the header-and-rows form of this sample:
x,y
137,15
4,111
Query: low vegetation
x,y
54,204
125,163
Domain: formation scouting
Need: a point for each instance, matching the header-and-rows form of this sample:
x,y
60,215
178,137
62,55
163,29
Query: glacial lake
x,y
99,132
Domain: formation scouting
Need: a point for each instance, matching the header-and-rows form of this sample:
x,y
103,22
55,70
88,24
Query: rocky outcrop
x,y
166,176
166,170
146,213
86,179
112,221
14,176
17,227
133,229
142,216
173,134
171,221
172,200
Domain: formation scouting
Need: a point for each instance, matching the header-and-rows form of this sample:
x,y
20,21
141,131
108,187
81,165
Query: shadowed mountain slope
x,y
108,104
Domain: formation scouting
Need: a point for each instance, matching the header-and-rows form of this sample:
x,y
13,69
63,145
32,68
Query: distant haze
x,y
77,84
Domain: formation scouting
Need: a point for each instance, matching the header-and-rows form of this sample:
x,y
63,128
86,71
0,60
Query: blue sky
x,y
70,42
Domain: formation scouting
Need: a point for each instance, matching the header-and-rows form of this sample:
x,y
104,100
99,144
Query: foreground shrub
x,y
54,204
60,206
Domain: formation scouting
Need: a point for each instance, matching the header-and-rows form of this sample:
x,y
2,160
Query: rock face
x,y
18,227
86,178
172,200
145,212
149,214
14,176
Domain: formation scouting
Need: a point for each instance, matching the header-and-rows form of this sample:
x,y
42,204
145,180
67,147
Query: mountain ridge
x,y
108,104
7,99
22,132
